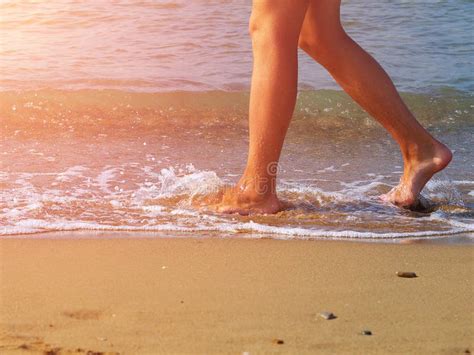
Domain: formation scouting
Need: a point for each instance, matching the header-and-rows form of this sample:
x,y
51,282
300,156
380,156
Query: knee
x,y
308,43
255,24
323,48
268,29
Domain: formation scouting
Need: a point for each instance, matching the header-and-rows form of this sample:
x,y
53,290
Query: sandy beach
x,y
149,296
145,145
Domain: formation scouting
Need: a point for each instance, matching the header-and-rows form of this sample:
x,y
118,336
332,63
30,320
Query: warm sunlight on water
x,y
197,45
109,160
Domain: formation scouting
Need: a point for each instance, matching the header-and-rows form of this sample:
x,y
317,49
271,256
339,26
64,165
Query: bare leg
x,y
324,39
275,27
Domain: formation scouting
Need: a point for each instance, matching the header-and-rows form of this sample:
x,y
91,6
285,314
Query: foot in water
x,y
417,172
244,202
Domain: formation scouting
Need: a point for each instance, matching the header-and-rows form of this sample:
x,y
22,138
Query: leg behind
x,y
324,39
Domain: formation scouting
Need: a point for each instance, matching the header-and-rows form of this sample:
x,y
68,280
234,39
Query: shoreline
x,y
459,238
207,295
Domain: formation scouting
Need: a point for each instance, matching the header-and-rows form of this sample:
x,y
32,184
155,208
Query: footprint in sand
x,y
84,314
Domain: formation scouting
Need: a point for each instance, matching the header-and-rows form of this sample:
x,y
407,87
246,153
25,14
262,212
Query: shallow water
x,y
76,155
112,160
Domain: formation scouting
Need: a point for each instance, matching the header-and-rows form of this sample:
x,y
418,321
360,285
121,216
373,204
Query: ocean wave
x,y
73,112
169,204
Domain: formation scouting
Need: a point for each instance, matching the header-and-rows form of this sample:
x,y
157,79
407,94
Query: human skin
x,y
277,29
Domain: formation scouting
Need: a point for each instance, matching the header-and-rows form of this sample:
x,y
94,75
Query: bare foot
x,y
243,202
417,172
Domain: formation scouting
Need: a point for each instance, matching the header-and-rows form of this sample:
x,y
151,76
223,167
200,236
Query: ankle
x,y
415,152
256,187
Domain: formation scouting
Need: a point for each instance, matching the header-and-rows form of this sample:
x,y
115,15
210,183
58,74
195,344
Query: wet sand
x,y
148,296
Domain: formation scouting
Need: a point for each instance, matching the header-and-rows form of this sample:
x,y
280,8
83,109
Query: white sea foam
x,y
194,183
70,173
245,230
104,177
443,190
28,208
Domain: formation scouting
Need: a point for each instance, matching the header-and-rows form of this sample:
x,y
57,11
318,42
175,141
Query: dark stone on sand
x,y
327,315
366,332
467,351
406,274
278,341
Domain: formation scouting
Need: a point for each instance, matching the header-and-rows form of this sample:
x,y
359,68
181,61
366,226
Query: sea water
x,y
127,115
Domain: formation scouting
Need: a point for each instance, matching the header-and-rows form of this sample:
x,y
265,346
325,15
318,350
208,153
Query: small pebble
x,y
366,332
406,274
327,315
278,341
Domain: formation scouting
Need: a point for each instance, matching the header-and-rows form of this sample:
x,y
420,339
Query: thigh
x,y
322,20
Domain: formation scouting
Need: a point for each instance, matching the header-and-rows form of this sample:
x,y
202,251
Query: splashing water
x,y
84,162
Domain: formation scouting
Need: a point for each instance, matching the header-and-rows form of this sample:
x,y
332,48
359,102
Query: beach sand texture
x,y
151,296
